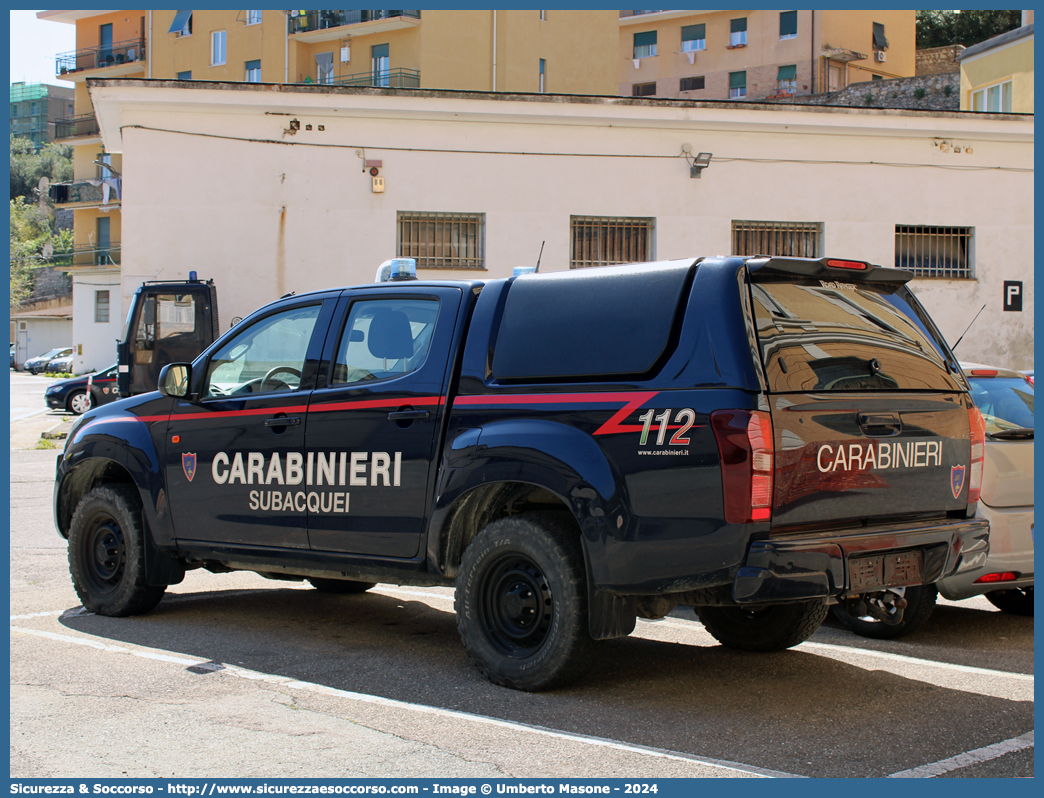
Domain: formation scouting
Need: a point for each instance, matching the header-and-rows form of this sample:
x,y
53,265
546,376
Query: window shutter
x,y
787,72
180,22
737,80
691,33
880,42
644,39
788,23
739,25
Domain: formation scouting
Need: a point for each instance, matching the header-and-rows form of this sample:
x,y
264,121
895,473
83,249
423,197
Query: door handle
x,y
408,415
283,421
883,425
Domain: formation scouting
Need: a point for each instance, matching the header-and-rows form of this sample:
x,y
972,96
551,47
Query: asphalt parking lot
x,y
236,676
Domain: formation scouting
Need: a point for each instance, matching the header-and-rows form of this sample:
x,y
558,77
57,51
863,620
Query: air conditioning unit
x,y
879,55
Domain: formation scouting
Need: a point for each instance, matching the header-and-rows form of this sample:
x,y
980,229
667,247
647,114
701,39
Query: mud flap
x,y
609,615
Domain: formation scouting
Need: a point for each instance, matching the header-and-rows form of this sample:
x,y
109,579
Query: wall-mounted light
x,y
699,163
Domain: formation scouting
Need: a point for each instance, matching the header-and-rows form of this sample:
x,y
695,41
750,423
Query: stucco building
x,y
266,189
720,55
997,74
35,107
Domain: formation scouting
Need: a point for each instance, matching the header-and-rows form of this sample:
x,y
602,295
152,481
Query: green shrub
x,y
919,94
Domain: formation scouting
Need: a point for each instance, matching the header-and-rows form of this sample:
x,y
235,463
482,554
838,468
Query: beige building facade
x,y
719,55
475,184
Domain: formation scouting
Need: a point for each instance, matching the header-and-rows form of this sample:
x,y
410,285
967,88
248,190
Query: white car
x,y
1005,399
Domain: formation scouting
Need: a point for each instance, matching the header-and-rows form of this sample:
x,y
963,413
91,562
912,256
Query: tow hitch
x,y
886,605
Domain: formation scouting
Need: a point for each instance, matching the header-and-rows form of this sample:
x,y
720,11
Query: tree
x,y
53,161
942,28
30,234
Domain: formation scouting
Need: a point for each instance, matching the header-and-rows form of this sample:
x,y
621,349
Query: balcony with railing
x,y
86,255
87,193
386,79
76,127
128,56
320,25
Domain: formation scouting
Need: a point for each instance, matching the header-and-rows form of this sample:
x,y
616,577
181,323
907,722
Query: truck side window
x,y
384,338
267,357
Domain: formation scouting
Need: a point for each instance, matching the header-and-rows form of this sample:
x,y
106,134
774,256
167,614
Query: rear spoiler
x,y
836,269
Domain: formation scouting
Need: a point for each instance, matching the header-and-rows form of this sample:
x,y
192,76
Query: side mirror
x,y
174,380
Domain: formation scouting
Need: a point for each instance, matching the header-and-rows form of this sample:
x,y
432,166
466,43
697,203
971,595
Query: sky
x,y
34,44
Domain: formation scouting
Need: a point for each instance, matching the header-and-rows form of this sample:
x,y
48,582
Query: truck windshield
x,y
819,335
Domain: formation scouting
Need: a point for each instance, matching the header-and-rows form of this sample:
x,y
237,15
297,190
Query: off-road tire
x,y
340,585
79,402
769,628
107,553
1014,601
920,604
521,602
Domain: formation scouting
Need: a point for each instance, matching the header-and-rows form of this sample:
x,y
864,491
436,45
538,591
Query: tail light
x,y
846,264
978,452
747,452
1007,576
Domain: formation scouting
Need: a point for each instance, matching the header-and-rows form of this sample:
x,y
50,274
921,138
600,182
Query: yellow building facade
x,y
997,74
747,55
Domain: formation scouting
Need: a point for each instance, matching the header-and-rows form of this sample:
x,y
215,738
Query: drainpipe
x,y
148,45
815,62
494,51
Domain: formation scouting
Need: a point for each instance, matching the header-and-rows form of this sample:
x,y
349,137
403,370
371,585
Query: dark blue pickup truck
x,y
755,437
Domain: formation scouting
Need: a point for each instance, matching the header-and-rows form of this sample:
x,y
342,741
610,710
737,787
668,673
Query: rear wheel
x,y
521,603
340,585
771,628
1016,600
107,553
920,602
79,402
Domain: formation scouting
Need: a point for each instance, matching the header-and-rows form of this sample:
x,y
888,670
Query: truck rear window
x,y
819,335
589,324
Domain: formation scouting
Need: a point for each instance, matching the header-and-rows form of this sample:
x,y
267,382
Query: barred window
x,y
442,240
605,240
643,89
934,251
101,307
777,239
692,84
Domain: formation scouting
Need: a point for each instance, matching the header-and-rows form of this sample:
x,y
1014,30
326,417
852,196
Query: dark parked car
x,y
80,394
12,355
60,365
36,365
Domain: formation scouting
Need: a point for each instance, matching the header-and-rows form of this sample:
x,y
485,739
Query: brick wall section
x,y
923,93
939,60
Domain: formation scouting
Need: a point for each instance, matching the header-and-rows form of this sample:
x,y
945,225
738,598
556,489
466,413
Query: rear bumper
x,y
817,565
1011,551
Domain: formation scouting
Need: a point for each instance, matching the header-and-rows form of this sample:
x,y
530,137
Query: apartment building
x,y
515,50
748,55
36,107
997,74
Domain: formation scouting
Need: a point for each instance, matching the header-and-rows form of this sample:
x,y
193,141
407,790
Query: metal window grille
x,y
442,240
778,239
101,306
643,89
603,240
692,84
934,251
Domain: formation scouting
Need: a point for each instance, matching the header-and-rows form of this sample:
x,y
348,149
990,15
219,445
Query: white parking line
x,y
1001,684
293,684
974,757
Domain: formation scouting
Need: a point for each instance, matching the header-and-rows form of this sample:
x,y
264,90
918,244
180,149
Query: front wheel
x,y
521,603
769,628
79,402
107,553
1015,601
920,603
